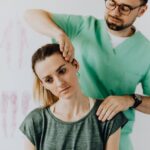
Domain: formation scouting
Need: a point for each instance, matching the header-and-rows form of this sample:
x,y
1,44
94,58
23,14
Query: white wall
x,y
18,42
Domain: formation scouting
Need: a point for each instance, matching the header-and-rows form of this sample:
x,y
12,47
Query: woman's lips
x,y
64,90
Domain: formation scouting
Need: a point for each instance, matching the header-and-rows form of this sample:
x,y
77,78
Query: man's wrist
x,y
130,101
137,100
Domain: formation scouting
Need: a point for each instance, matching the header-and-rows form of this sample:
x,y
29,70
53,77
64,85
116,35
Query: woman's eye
x,y
63,71
49,80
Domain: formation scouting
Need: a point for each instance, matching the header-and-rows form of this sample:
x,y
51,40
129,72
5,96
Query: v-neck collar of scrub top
x,y
130,41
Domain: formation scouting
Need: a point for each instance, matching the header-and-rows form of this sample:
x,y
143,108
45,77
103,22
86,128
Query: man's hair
x,y
45,97
144,1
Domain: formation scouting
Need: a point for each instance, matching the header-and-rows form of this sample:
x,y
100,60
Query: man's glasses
x,y
123,8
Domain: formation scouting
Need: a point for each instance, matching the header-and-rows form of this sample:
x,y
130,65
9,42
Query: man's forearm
x,y
41,21
145,105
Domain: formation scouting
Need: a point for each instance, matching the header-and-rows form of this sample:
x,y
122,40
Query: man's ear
x,y
75,63
142,10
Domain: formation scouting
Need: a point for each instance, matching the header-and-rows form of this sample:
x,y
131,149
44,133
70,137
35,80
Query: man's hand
x,y
66,46
112,105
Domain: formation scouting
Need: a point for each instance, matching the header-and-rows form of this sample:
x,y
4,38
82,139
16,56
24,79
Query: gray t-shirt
x,y
47,132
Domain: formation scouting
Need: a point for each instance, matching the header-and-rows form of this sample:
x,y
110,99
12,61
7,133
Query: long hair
x,y
40,93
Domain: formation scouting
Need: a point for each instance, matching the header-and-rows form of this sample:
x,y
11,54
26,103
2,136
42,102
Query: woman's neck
x,y
71,109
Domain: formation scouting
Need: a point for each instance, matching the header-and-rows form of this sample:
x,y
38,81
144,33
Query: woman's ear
x,y
142,10
41,83
75,63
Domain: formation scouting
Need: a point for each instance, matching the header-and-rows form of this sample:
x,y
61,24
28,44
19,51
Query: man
x,y
114,57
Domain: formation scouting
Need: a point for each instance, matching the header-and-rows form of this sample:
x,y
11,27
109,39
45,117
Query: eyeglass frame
x,y
119,6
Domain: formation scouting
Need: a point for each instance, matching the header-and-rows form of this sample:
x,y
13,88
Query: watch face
x,y
139,97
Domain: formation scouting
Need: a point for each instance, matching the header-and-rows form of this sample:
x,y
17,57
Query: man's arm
x,y
42,22
114,104
145,105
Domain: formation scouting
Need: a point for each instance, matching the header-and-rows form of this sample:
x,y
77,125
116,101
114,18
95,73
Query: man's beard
x,y
116,27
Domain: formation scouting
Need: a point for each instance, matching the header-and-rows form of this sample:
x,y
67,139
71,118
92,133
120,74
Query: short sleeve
x,y
146,83
29,127
70,24
111,126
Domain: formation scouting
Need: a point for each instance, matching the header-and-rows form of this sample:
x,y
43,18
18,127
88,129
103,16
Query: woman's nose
x,y
58,81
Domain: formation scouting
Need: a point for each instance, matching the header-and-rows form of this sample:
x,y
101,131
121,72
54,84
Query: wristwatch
x,y
137,100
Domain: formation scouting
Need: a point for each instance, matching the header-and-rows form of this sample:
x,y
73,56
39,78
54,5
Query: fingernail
x,y
100,118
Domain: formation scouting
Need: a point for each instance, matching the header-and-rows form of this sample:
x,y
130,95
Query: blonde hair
x,y
40,93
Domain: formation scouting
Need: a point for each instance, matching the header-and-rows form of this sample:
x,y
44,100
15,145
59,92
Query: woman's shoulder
x,y
35,112
35,116
31,125
119,120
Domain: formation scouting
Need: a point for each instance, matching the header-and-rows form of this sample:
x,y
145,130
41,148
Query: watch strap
x,y
137,100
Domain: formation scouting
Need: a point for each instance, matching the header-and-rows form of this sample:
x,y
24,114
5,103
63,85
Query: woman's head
x,y
55,77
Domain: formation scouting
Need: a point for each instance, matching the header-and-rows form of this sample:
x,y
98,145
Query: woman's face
x,y
58,76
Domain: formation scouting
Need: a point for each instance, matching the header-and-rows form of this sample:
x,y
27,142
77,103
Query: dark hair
x,y
39,92
144,1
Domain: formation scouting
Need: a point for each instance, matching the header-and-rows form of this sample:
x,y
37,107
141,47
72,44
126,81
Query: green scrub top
x,y
105,70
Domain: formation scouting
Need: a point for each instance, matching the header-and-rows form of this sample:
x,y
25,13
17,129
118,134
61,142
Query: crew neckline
x,y
72,122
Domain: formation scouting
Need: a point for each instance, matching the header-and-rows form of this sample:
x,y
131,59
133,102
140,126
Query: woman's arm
x,y
113,141
28,145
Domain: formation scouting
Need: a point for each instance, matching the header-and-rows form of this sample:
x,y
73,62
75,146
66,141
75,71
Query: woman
x,y
67,120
